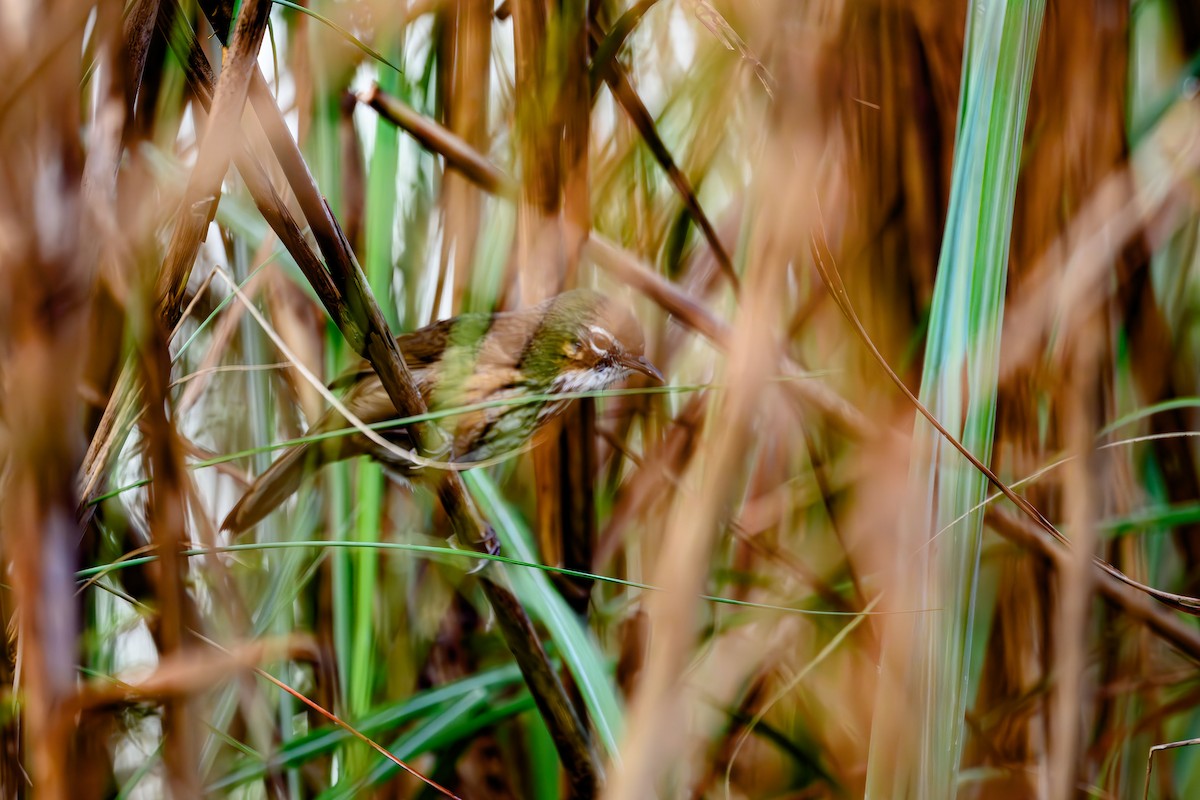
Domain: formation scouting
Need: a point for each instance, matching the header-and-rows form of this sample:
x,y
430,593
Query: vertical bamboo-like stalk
x,y
539,240
918,731
469,46
889,257
371,489
554,118
577,445
540,245
37,515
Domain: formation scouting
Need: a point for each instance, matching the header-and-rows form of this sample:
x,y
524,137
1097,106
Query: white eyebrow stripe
x,y
599,333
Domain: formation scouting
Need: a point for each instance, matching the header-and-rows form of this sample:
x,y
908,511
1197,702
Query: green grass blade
x,y
959,387
578,649
304,749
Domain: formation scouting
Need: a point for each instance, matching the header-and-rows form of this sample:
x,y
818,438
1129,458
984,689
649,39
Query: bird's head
x,y
587,342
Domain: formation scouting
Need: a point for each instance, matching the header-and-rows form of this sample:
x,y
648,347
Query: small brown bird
x,y
578,341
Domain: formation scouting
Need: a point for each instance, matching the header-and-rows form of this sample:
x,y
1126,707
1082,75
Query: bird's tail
x,y
271,488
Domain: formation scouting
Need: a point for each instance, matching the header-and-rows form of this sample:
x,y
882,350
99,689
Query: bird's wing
x,y
420,348
367,400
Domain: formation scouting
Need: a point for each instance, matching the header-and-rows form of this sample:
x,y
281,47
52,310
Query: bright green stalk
x,y
364,567
380,222
380,219
262,429
320,146
574,643
322,153
493,683
341,576
543,759
959,387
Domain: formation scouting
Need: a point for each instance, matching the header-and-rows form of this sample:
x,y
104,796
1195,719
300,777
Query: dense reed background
x,y
916,516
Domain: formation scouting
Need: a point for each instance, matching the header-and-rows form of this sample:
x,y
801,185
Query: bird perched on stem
x,y
578,341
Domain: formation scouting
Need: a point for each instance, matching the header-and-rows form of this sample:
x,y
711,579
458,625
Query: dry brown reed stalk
x,y
48,249
897,165
784,204
353,171
182,675
466,47
166,515
567,514
1081,413
553,121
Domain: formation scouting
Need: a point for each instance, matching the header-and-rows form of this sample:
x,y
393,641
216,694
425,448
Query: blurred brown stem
x,y
1135,604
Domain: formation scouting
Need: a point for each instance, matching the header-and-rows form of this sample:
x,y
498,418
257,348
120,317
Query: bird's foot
x,y
488,545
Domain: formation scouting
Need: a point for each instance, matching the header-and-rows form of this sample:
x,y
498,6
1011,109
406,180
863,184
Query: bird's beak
x,y
641,364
